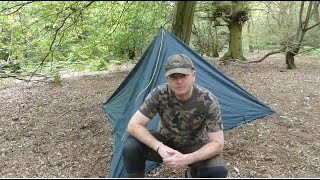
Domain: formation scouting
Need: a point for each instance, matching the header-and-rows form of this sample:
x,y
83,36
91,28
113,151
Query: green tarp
x,y
237,105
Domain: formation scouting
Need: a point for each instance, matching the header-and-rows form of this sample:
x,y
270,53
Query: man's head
x,y
179,63
180,75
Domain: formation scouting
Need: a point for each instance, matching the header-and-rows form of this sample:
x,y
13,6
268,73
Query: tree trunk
x,y
235,42
131,53
182,23
290,58
316,13
250,35
215,47
303,27
210,36
213,51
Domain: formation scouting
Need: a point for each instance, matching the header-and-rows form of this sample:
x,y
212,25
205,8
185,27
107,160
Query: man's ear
x,y
194,76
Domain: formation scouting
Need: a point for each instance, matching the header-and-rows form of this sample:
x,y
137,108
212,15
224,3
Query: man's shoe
x,y
187,173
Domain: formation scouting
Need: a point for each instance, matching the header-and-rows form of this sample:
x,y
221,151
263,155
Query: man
x,y
190,130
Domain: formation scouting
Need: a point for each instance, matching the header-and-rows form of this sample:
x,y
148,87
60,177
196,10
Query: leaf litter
x,y
50,131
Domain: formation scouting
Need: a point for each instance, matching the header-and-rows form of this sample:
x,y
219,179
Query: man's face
x,y
181,84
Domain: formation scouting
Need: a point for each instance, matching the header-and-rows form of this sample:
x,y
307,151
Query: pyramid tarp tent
x,y
237,105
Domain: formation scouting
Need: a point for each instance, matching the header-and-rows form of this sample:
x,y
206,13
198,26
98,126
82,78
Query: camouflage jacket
x,y
183,123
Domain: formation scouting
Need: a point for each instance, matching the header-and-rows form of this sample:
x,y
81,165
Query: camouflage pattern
x,y
179,63
183,123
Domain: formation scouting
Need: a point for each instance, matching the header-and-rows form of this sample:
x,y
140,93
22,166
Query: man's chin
x,y
180,92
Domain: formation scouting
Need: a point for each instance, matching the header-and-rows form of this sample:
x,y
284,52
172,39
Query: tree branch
x,y
118,20
308,50
259,60
265,56
20,6
312,26
55,36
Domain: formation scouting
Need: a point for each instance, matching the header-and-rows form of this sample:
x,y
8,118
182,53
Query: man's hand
x,y
174,159
166,151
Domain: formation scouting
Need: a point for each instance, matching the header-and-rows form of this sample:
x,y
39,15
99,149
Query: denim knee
x,y
210,172
133,156
131,147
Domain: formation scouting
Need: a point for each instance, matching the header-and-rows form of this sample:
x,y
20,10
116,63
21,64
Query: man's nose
x,y
179,80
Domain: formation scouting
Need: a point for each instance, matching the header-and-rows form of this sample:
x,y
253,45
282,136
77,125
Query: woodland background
x,y
60,60
46,37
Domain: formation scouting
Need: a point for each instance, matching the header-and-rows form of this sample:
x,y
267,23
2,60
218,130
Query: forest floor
x,y
60,131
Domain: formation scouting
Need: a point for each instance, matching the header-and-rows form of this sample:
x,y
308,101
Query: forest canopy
x,y
47,36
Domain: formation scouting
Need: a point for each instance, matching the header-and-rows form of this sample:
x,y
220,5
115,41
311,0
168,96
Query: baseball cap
x,y
179,63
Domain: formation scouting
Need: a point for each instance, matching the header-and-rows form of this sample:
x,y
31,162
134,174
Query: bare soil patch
x,y
50,131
